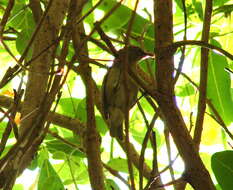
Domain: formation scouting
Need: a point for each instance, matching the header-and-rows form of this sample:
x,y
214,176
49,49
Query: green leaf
x,y
101,125
219,86
139,135
34,163
179,4
143,26
49,178
43,155
81,110
21,17
219,2
56,145
185,90
218,187
117,25
69,106
18,187
78,168
221,163
90,18
146,106
148,66
198,7
22,41
3,125
114,21
110,185
82,174
225,9
118,164
59,155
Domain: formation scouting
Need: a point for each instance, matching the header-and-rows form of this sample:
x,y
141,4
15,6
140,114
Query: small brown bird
x,y
113,89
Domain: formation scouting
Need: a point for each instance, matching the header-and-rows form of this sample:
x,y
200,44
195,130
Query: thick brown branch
x,y
203,75
92,138
195,171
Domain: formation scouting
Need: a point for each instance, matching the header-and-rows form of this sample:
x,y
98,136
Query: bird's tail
x,y
116,118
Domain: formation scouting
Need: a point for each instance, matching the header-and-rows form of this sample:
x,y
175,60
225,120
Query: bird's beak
x,y
148,55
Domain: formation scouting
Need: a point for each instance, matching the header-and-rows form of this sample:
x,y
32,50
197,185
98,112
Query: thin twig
x,y
177,44
6,16
126,111
144,144
180,66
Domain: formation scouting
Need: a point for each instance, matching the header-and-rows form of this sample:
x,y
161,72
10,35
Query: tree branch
x,y
195,171
203,75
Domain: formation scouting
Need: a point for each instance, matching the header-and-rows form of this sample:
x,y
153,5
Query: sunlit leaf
x,y
21,17
225,9
56,145
185,90
22,41
34,163
49,178
198,7
69,106
115,23
211,132
111,184
18,187
221,163
118,164
101,125
219,86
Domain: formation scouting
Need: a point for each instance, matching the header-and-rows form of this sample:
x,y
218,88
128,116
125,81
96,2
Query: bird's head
x,y
135,53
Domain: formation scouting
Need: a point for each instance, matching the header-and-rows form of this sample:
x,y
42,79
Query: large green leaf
x,y
101,125
111,184
55,145
221,163
21,17
114,21
48,178
185,90
226,9
22,41
219,2
119,20
140,26
18,187
73,169
139,132
69,106
219,86
119,164
198,8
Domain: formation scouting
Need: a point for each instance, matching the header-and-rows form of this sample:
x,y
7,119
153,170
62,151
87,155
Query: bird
x,y
113,88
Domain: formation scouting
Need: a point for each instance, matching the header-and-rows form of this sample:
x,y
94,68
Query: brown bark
x,y
203,75
39,69
195,171
91,137
20,155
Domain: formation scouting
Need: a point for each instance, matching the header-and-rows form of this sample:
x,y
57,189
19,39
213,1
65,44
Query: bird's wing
x,y
110,87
